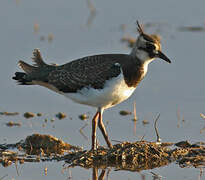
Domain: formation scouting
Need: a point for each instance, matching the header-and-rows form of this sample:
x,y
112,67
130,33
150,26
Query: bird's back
x,y
91,71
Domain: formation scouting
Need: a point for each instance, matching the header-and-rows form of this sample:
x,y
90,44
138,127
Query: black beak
x,y
163,56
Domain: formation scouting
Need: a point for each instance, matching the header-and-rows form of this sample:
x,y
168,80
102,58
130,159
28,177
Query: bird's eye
x,y
150,47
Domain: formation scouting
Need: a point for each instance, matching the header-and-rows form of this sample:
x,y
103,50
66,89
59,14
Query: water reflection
x,y
126,156
92,14
95,174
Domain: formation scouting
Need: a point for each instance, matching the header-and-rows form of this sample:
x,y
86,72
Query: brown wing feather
x,y
90,71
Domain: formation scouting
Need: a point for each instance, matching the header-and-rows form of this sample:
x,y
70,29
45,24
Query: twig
x,y
178,117
45,171
91,6
156,176
142,176
108,173
82,133
200,173
70,174
156,130
134,112
135,119
202,130
31,147
3,176
97,143
142,138
135,128
16,168
92,12
117,141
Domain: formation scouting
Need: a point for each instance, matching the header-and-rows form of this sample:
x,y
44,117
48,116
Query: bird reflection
x,y
95,174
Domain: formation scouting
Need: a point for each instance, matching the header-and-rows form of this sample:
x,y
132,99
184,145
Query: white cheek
x,y
142,55
144,58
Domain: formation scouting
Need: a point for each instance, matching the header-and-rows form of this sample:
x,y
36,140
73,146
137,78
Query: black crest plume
x,y
139,28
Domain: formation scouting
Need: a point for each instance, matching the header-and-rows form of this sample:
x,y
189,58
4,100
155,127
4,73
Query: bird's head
x,y
148,47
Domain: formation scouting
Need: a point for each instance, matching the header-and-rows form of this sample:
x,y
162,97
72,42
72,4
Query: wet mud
x,y
135,156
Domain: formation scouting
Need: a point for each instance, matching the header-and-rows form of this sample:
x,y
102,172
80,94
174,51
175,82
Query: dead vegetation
x,y
5,113
136,156
11,124
45,144
124,156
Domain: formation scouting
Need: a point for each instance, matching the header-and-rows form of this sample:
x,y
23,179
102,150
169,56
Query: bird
x,y
101,81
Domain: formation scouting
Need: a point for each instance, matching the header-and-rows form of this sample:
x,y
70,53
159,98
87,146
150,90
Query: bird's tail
x,y
23,78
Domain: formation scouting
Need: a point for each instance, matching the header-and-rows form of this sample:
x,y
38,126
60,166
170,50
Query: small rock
x,y
60,115
52,120
145,122
83,116
28,115
39,114
124,113
42,38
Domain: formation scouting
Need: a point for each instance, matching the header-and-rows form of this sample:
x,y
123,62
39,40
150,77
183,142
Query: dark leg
x,y
94,127
102,128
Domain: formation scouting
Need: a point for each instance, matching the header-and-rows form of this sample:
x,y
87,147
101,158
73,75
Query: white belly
x,y
114,92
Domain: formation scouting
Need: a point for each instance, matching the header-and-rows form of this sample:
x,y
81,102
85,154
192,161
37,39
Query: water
x,y
167,88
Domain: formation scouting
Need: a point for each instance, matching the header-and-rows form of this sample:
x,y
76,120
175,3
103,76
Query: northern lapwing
x,y
101,81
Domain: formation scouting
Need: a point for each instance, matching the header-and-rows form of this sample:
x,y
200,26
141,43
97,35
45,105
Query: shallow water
x,y
167,88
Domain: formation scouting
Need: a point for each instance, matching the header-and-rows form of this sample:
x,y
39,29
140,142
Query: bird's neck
x,y
142,57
